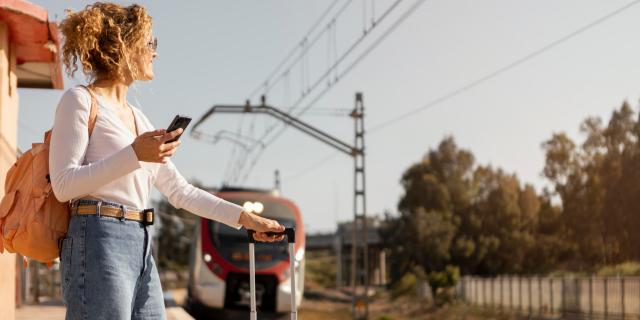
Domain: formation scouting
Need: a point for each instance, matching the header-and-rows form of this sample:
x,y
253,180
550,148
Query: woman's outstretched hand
x,y
261,225
151,147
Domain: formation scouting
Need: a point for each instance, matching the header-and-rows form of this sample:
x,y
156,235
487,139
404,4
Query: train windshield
x,y
232,244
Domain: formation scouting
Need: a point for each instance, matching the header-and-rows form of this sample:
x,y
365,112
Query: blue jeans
x,y
107,270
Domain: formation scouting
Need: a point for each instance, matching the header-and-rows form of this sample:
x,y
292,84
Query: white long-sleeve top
x,y
106,167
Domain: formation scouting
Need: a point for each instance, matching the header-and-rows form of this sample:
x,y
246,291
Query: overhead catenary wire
x,y
329,112
233,164
380,126
351,66
365,53
333,68
373,12
268,83
302,59
310,168
504,69
342,57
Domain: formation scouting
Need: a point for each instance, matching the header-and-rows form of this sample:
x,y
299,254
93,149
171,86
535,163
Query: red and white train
x,y
219,260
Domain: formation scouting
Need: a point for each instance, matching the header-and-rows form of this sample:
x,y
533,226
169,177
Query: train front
x,y
220,272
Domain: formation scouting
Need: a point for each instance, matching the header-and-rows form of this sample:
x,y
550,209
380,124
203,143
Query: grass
x,y
314,314
623,269
383,306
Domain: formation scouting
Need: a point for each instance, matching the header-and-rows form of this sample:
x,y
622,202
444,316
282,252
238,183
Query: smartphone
x,y
178,122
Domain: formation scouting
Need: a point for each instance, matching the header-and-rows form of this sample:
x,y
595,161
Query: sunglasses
x,y
153,44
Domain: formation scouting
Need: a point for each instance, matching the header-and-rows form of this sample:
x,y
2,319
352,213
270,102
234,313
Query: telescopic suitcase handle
x,y
289,232
291,239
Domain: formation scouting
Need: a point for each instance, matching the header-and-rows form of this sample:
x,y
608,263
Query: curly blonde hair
x,y
103,38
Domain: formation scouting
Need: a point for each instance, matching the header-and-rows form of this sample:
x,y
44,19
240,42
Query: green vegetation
x,y
455,212
406,286
623,269
441,283
321,270
411,309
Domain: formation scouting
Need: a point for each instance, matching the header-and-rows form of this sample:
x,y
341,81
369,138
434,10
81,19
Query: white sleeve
x,y
182,194
69,140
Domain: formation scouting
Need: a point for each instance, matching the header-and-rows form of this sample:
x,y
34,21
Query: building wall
x,y
8,143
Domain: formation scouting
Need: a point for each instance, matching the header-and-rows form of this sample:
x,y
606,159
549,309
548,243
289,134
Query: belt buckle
x,y
148,216
124,213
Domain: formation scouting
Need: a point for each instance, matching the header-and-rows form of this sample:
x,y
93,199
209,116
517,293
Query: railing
x,y
38,283
557,297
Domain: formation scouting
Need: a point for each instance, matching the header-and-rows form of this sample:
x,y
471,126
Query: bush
x,y
443,279
405,286
442,283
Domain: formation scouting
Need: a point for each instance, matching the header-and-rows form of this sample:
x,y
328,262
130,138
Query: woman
x,y
106,267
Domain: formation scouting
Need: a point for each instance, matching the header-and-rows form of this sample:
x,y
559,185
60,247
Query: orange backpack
x,y
32,220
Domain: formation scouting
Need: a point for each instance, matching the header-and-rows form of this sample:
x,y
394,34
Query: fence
x,y
38,283
557,297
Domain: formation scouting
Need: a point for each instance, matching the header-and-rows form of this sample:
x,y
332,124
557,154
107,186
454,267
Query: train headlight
x,y
207,258
255,207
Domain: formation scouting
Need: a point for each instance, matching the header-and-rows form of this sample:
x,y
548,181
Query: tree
x,y
598,187
483,220
453,213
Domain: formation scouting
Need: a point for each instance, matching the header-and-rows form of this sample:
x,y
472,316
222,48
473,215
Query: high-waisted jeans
x,y
108,272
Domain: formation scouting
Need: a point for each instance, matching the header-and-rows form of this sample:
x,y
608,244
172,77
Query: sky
x,y
218,52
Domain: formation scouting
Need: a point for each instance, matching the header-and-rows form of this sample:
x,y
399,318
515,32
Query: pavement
x,y
54,310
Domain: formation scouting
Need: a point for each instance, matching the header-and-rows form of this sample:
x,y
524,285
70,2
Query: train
x,y
219,258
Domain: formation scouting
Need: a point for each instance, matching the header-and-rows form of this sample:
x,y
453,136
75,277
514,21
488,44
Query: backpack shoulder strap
x,y
93,114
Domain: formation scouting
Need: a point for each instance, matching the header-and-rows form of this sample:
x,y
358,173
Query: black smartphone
x,y
178,122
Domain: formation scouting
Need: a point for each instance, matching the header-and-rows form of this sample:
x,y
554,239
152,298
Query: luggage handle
x,y
289,232
291,239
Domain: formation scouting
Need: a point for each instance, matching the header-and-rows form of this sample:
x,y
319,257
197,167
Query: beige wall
x,y
8,130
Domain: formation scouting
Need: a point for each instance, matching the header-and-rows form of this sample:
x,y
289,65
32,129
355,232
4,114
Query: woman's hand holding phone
x,y
159,145
151,147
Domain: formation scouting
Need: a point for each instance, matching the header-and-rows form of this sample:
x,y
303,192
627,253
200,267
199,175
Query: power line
x,y
361,57
332,112
505,68
268,84
306,91
331,27
365,53
342,57
354,63
310,168
233,152
493,74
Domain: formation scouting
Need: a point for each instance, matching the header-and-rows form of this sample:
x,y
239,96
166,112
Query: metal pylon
x,y
359,246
